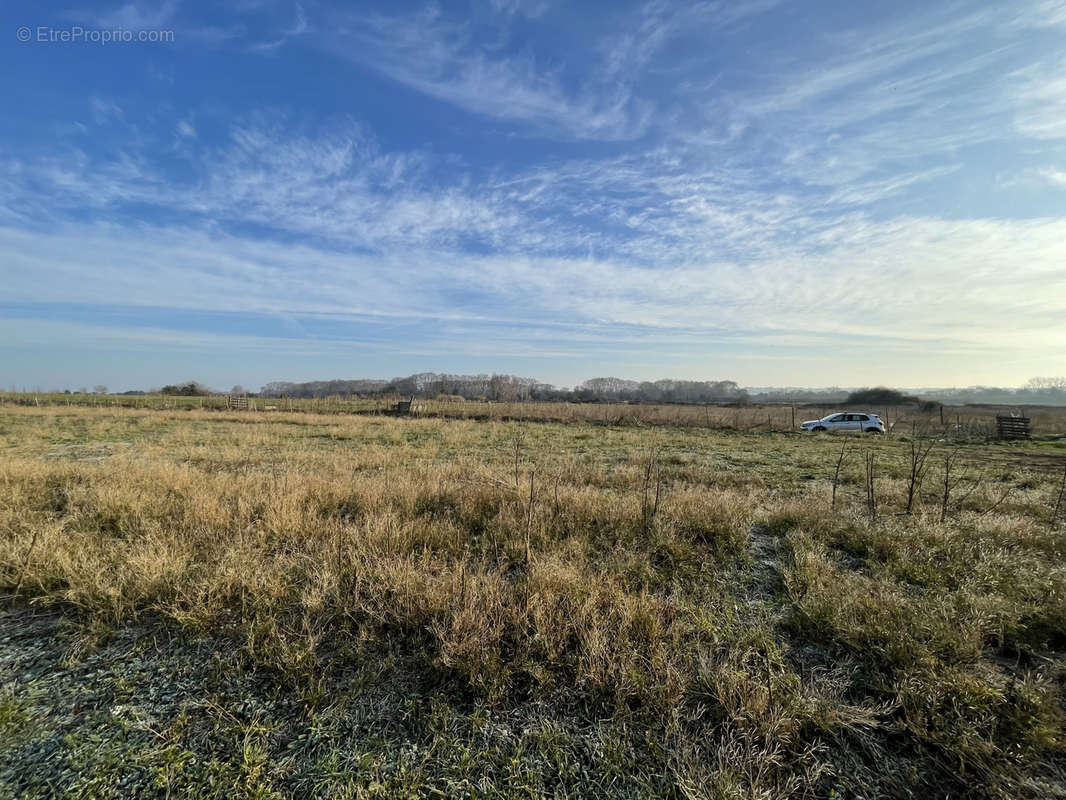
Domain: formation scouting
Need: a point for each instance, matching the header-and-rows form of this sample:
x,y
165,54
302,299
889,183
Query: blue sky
x,y
778,193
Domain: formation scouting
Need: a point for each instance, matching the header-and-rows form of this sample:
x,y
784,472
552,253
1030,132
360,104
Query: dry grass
x,y
764,645
961,422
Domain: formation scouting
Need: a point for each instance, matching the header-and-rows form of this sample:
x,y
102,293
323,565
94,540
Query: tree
x,y
189,389
880,396
503,388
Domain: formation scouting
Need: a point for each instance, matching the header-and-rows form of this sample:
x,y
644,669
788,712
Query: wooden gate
x,y
1013,427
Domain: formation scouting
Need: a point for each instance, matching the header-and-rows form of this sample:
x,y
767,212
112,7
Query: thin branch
x,y
529,515
947,482
1058,501
996,504
836,474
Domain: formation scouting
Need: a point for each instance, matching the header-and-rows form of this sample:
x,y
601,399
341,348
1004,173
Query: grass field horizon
x,y
365,606
970,421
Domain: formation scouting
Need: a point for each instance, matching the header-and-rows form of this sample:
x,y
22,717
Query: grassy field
x,y
970,422
206,604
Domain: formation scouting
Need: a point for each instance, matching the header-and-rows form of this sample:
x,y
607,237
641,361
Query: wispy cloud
x,y
919,89
299,27
136,15
597,95
186,129
104,111
527,8
716,259
1041,92
1056,177
445,60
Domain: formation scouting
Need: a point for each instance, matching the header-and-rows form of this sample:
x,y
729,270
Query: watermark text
x,y
76,34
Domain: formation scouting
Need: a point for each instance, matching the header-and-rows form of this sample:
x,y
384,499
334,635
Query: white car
x,y
866,423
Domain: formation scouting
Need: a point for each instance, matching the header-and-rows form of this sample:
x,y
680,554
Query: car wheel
x,y
878,431
819,428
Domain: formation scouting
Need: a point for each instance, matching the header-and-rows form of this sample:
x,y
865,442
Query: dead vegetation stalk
x,y
836,474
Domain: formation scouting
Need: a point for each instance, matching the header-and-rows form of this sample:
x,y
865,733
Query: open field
x,y
211,604
967,421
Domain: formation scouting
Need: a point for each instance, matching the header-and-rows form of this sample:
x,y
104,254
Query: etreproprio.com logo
x,y
76,34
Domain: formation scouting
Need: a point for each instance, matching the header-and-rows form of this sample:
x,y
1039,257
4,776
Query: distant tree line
x,y
792,395
501,388
662,391
511,388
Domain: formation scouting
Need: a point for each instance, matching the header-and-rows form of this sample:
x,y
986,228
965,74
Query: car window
x,y
837,418
862,418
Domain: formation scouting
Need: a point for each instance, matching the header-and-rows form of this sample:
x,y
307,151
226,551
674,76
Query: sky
x,y
779,193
